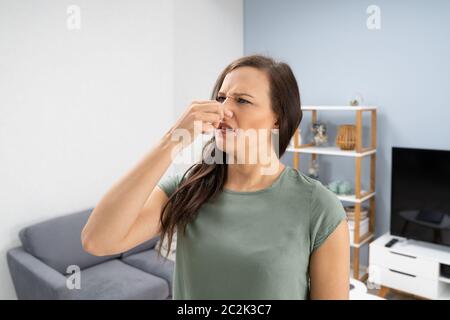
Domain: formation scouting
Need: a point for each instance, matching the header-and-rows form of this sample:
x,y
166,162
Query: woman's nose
x,y
228,106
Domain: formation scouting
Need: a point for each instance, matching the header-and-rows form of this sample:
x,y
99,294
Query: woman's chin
x,y
223,146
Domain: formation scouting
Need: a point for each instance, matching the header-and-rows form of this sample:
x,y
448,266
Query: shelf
x,y
334,151
352,197
298,148
362,240
338,108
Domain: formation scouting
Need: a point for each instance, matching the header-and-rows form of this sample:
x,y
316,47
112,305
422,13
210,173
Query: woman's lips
x,y
224,125
225,128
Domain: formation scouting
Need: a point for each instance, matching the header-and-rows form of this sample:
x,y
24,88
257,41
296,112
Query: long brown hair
x,y
205,180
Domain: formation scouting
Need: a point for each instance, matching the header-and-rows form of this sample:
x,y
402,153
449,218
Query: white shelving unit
x,y
352,197
332,151
338,108
357,154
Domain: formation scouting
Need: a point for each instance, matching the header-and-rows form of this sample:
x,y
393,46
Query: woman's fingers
x,y
203,101
207,127
209,112
208,117
213,107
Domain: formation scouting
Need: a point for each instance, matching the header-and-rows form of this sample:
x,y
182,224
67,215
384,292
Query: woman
x,y
247,229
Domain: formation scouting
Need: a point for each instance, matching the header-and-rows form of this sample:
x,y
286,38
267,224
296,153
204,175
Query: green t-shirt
x,y
256,244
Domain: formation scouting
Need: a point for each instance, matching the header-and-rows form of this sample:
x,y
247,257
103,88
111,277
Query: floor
x,y
395,295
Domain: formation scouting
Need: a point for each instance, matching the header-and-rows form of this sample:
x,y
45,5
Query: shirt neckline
x,y
272,186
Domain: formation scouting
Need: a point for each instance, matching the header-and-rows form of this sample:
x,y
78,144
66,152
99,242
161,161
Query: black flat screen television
x,y
420,194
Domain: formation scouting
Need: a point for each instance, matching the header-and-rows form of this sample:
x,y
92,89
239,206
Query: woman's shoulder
x,y
318,194
325,210
301,180
170,181
315,187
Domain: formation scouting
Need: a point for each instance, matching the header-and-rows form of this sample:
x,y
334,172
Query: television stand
x,y
415,267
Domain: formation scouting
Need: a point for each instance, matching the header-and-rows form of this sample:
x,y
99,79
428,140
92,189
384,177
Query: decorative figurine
x,y
313,171
334,186
345,188
319,130
340,187
357,99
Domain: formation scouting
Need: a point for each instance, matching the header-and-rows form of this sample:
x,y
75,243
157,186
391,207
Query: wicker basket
x,y
346,137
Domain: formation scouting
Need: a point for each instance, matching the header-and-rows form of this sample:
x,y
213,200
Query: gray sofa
x,y
39,268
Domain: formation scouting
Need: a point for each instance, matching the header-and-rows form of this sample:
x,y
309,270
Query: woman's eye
x,y
240,100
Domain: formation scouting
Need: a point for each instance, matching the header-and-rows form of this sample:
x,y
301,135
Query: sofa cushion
x,y
150,261
147,245
57,242
116,280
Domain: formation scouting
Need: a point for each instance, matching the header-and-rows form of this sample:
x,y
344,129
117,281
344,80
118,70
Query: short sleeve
x,y
327,212
169,182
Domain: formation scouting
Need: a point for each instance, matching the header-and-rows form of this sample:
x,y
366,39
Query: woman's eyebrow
x,y
238,94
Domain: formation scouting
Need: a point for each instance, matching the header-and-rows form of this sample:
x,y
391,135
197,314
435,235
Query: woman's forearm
x,y
118,209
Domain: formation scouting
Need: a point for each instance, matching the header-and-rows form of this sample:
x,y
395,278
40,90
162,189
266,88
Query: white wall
x,y
208,36
79,107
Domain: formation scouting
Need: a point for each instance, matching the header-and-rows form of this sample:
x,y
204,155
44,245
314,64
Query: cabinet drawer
x,y
417,285
417,266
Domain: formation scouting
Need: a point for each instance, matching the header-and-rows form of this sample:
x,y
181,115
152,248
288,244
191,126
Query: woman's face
x,y
246,92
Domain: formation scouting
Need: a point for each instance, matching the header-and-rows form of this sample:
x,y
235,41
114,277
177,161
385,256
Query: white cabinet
x,y
410,266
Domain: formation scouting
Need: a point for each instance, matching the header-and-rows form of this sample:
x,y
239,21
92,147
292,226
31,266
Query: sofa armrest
x,y
32,278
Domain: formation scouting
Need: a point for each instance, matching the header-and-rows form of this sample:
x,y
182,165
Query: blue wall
x,y
403,68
